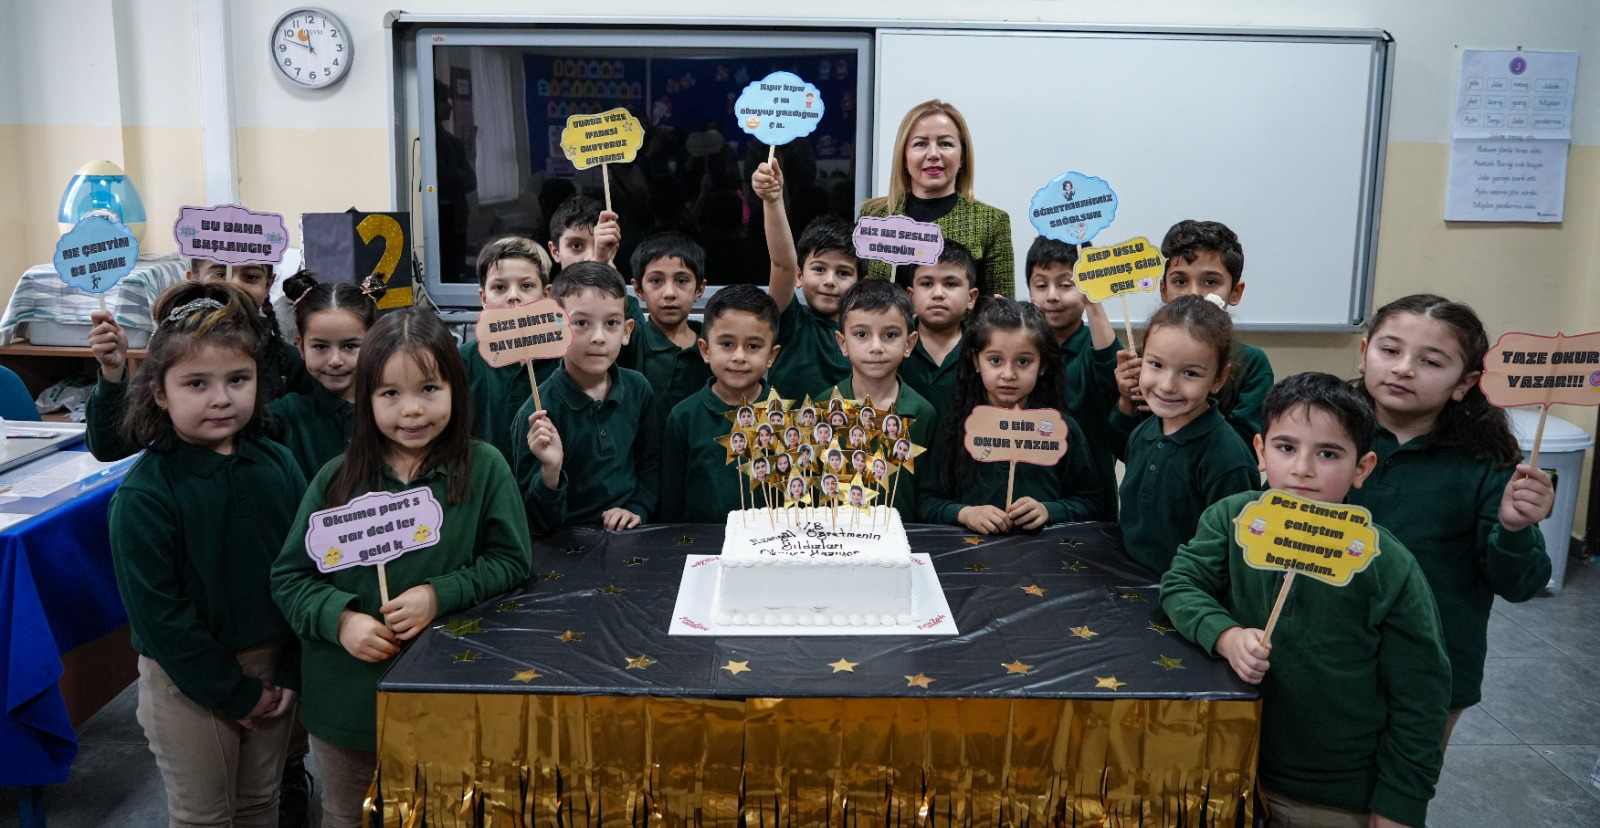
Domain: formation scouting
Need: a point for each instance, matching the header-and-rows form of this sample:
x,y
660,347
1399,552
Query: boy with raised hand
x,y
593,454
669,276
825,265
511,271
1355,682
1089,351
739,342
877,332
942,293
582,230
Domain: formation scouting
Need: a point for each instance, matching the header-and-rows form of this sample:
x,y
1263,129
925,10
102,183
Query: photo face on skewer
x,y
782,465
830,487
880,469
838,419
858,461
739,443
858,436
891,426
747,417
791,438
868,418
836,461
775,418
759,468
808,417
764,436
902,450
823,435
806,459
857,496
797,488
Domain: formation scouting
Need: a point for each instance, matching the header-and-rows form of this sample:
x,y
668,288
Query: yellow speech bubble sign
x,y
1327,541
1529,369
1132,266
611,137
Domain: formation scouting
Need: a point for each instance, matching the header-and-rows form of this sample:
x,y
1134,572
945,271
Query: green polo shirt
x,y
193,536
1447,506
1353,706
924,432
1251,384
698,484
498,393
935,381
1172,478
1091,397
483,550
315,427
1069,490
611,451
674,373
810,360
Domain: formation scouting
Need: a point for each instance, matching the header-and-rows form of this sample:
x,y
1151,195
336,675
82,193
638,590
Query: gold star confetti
x,y
1073,566
684,540
1084,633
509,606
1034,590
1072,542
469,655
636,561
1017,667
737,667
842,666
460,628
972,540
1169,663
1159,627
919,680
573,550
1133,598
640,663
569,636
1108,683
611,589
550,576
976,567
526,676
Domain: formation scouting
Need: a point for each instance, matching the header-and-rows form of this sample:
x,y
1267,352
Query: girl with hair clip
x,y
1010,359
195,527
412,428
332,318
1450,478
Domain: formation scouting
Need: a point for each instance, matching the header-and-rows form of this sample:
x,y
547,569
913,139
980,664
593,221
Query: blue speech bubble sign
x,y
95,254
1073,207
779,108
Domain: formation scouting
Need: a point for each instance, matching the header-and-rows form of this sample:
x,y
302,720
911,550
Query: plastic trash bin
x,y
1561,454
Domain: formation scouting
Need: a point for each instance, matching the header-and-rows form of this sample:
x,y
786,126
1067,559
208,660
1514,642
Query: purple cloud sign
x,y
375,528
898,240
230,234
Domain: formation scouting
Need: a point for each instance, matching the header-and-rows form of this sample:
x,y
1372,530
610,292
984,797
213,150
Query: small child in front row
x,y
195,527
511,271
1442,444
941,293
1185,457
876,333
739,341
410,431
1355,680
1009,360
669,274
593,453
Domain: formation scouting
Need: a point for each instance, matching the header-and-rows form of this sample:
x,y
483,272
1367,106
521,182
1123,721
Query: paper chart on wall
x,y
1510,134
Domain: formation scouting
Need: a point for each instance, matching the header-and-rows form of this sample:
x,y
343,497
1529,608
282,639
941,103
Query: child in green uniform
x,y
825,266
195,527
411,390
1009,360
1442,444
698,483
1184,458
1090,351
331,318
669,276
1355,680
511,271
942,293
582,230
593,454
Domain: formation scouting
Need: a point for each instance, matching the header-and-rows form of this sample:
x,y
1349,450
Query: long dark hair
x,y
418,335
957,467
1471,424
207,313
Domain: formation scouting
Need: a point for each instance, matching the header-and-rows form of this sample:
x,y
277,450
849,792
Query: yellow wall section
x,y
297,171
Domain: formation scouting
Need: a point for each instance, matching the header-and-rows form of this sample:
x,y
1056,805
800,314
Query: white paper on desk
x,y
8,520
53,473
1506,180
1515,95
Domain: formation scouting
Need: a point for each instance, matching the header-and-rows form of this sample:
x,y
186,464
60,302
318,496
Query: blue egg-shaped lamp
x,y
102,186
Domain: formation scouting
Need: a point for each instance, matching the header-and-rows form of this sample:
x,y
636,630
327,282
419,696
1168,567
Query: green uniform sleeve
x,y
1220,479
102,415
1514,563
146,544
1255,380
1081,498
674,467
546,508
646,460
1193,588
309,600
504,552
1414,674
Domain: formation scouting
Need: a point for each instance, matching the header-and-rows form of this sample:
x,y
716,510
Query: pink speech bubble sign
x,y
898,240
375,528
230,234
537,330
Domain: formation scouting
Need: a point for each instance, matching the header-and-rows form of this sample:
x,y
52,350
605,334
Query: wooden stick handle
x,y
383,584
1127,323
1011,479
1272,620
605,180
1538,436
534,382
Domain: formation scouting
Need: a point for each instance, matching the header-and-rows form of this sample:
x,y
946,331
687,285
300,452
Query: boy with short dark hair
x,y
942,293
582,230
739,341
669,276
1355,683
511,271
593,454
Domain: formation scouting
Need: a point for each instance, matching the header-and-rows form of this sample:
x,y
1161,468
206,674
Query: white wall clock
x,y
311,47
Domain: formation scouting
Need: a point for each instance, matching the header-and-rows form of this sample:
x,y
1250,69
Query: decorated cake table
x,y
1065,699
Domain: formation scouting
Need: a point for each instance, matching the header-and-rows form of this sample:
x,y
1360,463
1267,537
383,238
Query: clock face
x,y
310,47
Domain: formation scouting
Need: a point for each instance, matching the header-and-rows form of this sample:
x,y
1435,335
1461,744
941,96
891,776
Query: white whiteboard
x,y
1280,138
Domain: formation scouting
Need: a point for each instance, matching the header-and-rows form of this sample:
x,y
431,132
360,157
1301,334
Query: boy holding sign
x,y
1355,680
511,271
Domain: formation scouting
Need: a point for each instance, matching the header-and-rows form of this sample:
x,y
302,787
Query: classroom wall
x,y
132,98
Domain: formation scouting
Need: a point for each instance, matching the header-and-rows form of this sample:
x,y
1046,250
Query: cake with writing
x,y
815,567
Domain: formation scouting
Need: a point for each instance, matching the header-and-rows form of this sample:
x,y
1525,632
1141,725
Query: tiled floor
x,y
1522,757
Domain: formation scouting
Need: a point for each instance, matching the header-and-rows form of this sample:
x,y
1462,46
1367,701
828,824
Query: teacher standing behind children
x,y
932,182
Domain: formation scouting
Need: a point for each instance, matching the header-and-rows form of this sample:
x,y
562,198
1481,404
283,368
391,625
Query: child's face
x,y
738,442
857,436
254,279
808,417
879,469
775,417
791,438
764,436
891,426
941,294
760,468
855,495
837,419
600,327
1308,452
576,244
210,396
876,342
797,488
1413,366
410,404
836,461
747,417
1205,276
830,486
1009,367
1177,375
330,345
668,290
739,347
1053,288
511,282
823,435
824,277
902,450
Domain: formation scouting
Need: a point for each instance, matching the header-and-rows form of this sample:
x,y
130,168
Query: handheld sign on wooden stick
x,y
230,234
1074,208
374,529
523,333
1529,369
778,109
898,240
1331,542
610,137
1015,435
95,254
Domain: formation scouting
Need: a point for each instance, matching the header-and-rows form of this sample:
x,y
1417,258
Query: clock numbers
x,y
318,38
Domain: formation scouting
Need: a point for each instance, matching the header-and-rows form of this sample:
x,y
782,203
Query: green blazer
x,y
985,230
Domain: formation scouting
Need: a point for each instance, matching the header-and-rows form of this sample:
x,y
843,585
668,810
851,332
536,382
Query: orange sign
x,y
1528,369
1016,435
523,333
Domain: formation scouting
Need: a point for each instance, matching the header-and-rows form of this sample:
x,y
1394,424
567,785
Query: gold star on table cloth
x,y
459,628
1159,627
1108,683
569,636
1017,667
611,589
509,606
1034,590
737,667
526,676
976,567
640,663
467,656
1134,598
1072,566
842,666
972,540
1072,542
636,561
1084,633
683,540
1169,663
920,680
550,576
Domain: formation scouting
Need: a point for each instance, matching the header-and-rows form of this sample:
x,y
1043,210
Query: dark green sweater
x,y
674,373
497,394
315,427
193,536
985,230
1091,397
810,360
698,485
1069,490
1252,383
1354,703
484,550
935,381
1447,506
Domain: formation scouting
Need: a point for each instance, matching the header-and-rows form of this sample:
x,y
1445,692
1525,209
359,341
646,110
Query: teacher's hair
x,y
900,182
